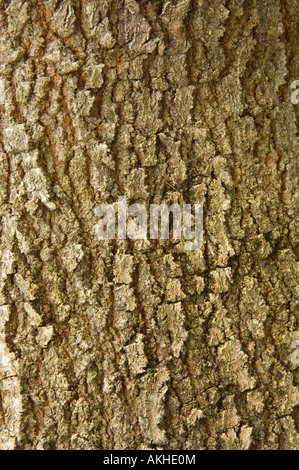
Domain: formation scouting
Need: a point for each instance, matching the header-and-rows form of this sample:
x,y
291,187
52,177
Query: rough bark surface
x,y
127,344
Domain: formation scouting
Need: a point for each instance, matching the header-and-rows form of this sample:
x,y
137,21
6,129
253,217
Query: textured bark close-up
x,y
141,344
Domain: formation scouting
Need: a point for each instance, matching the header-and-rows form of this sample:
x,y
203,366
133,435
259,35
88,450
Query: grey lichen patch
x,y
134,30
83,103
33,316
72,255
23,91
125,298
153,390
123,270
16,139
137,187
146,149
44,336
18,14
62,58
199,284
234,362
176,325
230,421
255,400
12,52
11,400
27,288
174,291
64,19
136,357
220,280
63,312
93,75
171,319
253,307
38,188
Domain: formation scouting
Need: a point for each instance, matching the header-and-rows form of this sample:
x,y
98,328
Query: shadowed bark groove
x,y
126,344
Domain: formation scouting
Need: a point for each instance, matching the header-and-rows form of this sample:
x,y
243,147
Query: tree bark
x,y
126,344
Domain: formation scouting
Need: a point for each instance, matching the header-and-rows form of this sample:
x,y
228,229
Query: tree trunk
x,y
124,344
